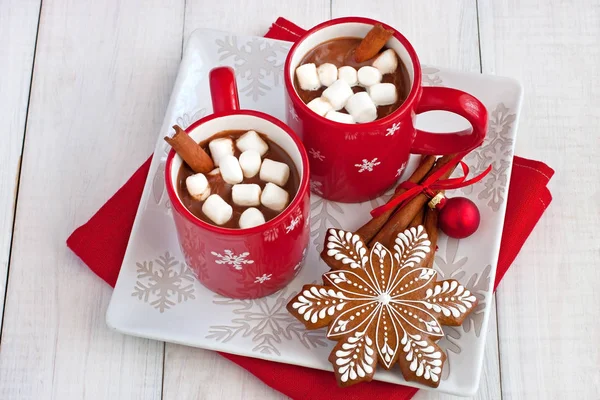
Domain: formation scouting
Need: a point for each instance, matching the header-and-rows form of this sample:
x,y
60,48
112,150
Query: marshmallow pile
x,y
233,170
361,106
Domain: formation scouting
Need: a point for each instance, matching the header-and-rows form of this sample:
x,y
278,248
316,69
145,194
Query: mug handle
x,y
458,102
223,90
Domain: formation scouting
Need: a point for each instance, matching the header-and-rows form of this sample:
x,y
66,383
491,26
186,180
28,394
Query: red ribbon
x,y
432,184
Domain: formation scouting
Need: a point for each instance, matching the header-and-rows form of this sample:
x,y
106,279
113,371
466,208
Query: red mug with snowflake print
x,y
357,162
243,263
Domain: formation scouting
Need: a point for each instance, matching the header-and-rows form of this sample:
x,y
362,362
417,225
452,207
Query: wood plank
x,y
443,34
549,323
18,29
194,373
103,76
250,18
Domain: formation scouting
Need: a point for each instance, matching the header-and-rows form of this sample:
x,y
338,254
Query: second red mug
x,y
357,162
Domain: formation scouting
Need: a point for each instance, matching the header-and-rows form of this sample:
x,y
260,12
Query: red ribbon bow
x,y
432,184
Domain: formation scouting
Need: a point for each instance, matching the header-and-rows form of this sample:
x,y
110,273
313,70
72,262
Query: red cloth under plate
x,y
101,244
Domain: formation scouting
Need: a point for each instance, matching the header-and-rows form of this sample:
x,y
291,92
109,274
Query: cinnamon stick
x,y
371,228
400,220
430,222
372,43
418,219
190,151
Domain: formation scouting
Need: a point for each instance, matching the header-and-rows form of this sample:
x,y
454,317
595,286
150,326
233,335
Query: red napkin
x,y
102,241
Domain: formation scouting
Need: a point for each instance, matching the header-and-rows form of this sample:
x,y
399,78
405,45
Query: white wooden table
x,y
83,88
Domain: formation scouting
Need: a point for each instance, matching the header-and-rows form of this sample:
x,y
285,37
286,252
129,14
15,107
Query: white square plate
x,y
157,297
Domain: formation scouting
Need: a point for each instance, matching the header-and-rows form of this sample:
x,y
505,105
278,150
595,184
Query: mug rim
x,y
298,198
404,108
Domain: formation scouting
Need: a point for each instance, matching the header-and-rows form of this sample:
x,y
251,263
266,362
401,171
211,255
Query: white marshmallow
x,y
386,62
338,94
328,73
274,197
308,78
220,148
368,76
215,171
349,75
230,170
217,209
197,186
252,141
383,94
250,163
362,108
251,217
320,106
274,171
340,117
246,194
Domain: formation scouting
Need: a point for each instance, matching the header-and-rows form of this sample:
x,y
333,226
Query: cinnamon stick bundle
x,y
418,219
430,222
190,151
371,228
400,220
372,43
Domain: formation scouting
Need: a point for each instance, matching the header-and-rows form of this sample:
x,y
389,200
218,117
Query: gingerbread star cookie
x,y
383,307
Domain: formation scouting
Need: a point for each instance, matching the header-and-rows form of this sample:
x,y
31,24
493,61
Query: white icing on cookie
x,y
355,357
449,298
316,303
425,358
346,247
411,247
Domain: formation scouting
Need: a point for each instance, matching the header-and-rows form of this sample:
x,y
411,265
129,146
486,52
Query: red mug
x,y
357,162
243,263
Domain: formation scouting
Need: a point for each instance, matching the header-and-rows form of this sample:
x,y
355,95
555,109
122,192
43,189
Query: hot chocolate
x,y
353,80
340,52
253,176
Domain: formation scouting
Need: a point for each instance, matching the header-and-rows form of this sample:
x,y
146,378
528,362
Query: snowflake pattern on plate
x,y
321,218
266,322
164,282
393,129
188,119
255,61
367,165
237,261
430,76
496,150
316,154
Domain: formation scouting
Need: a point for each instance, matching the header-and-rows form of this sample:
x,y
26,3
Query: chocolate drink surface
x,y
340,52
223,189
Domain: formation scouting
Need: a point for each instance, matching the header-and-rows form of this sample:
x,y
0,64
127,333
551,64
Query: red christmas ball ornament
x,y
459,217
